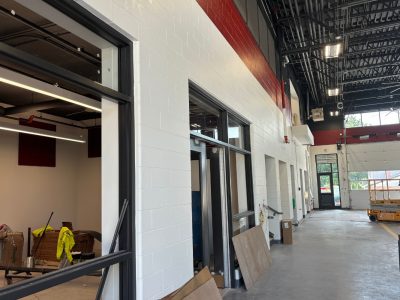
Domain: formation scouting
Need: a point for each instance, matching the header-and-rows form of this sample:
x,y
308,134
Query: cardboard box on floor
x,y
286,230
11,252
202,286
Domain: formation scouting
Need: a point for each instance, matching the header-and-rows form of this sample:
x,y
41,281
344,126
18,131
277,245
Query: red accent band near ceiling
x,y
226,17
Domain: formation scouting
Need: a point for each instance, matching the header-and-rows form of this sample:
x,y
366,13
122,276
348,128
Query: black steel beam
x,y
371,48
371,96
372,26
34,285
369,66
369,78
362,14
371,87
364,106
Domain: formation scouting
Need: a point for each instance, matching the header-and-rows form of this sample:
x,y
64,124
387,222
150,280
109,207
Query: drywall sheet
x,y
253,254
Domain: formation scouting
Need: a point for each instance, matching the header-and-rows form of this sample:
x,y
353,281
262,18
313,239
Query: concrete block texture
x,y
175,42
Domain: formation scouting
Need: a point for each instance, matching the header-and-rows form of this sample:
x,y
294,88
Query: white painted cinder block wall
x,y
176,42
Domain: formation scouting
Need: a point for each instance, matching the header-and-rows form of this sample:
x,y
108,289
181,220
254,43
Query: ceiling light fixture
x,y
334,113
28,83
333,92
332,51
39,132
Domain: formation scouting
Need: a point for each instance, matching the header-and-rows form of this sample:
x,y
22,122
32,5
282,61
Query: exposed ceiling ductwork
x,y
368,32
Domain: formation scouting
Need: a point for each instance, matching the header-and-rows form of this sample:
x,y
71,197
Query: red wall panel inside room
x,y
36,150
94,142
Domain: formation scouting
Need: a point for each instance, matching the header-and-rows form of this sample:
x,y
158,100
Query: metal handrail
x,y
273,210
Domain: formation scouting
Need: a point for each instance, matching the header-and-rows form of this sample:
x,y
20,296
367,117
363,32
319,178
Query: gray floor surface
x,y
336,254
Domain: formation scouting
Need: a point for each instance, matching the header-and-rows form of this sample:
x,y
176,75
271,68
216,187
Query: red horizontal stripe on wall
x,y
226,17
327,137
384,133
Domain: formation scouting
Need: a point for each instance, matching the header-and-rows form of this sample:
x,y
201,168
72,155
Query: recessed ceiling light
x,y
333,92
333,51
334,113
39,132
31,84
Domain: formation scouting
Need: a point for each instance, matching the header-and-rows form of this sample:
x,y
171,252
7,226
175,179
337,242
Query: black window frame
x,y
227,112
125,256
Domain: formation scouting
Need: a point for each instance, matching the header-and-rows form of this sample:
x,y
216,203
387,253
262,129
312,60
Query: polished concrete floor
x,y
336,254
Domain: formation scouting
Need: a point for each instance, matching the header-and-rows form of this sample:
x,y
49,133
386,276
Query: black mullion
x,y
229,215
126,166
249,189
224,127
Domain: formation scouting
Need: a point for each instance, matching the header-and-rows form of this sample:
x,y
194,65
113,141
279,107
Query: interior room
x,y
50,149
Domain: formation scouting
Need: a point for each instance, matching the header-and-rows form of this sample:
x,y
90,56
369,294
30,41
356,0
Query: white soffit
x,y
303,134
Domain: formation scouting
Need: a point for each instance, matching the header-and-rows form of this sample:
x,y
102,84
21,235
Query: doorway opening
x,y
293,186
63,101
328,181
223,203
273,196
284,190
208,198
303,210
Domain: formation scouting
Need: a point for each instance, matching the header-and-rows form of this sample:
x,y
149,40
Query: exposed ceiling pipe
x,y
300,34
303,66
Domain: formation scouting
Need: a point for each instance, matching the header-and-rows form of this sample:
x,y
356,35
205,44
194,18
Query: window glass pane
x,y
359,185
376,175
240,226
334,167
352,120
325,184
324,168
389,117
393,183
356,176
370,119
336,188
235,133
238,183
393,174
204,119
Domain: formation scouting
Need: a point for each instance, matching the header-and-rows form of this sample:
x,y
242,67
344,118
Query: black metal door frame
x,y
125,256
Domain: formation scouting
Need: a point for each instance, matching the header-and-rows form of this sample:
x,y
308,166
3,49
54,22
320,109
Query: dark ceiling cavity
x,y
26,31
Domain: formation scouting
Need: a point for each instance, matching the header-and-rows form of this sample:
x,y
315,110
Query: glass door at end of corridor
x,y
325,190
328,181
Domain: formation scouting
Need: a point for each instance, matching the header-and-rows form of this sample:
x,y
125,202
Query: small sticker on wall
x,y
286,225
